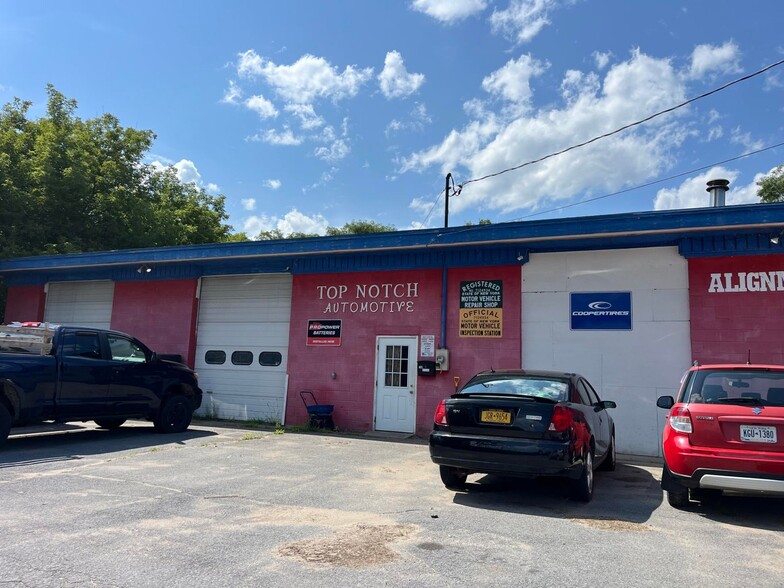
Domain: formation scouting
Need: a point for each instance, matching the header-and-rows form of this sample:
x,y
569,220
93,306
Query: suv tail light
x,y
680,420
440,418
562,419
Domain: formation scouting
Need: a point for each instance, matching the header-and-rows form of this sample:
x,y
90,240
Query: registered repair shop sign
x,y
601,311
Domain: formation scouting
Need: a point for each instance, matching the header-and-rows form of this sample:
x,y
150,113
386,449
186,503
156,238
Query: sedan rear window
x,y
556,390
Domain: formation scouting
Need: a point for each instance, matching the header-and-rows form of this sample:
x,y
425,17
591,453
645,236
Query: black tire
x,y
5,423
110,424
706,496
453,478
608,465
175,416
678,495
582,488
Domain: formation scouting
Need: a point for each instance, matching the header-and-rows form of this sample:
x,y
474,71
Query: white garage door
x,y
242,346
632,367
87,304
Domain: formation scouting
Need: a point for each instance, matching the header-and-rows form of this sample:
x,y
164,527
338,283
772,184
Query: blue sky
x,y
308,113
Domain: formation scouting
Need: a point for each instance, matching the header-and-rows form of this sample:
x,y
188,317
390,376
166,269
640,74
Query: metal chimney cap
x,y
713,184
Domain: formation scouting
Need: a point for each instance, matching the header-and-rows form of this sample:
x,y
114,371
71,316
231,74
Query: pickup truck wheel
x,y
5,423
175,416
110,424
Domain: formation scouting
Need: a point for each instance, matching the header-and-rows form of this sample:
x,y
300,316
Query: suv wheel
x,y
453,478
175,416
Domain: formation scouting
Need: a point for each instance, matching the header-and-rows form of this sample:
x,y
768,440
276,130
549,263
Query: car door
x,y
84,376
602,432
135,383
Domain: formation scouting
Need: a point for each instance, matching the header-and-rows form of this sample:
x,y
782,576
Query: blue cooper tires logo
x,y
600,305
599,311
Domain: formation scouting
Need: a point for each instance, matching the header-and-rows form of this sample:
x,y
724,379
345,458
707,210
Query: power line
x,y
634,124
651,183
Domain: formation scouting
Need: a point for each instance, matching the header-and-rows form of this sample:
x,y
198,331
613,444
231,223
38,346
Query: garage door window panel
x,y
215,357
270,358
242,358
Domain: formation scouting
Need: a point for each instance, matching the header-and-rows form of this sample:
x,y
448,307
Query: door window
x,y
583,393
126,350
81,344
396,368
591,393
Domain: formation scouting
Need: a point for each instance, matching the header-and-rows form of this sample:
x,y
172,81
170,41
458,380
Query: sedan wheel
x,y
583,486
453,478
609,462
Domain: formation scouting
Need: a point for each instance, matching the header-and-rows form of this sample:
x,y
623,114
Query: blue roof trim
x,y
723,245
498,243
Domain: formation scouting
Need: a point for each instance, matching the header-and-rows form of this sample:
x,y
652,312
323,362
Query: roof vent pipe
x,y
718,189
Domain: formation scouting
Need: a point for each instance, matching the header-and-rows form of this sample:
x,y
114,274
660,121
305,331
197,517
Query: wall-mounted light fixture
x,y
775,240
144,269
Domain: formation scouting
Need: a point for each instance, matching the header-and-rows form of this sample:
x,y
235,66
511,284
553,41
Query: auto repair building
x,y
383,326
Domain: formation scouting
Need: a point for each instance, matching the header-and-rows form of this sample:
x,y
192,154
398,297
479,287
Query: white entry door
x,y
396,384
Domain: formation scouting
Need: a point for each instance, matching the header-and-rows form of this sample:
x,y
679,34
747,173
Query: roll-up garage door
x,y
242,346
87,304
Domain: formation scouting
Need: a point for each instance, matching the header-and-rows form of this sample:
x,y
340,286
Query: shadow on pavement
x,y
757,512
630,494
52,443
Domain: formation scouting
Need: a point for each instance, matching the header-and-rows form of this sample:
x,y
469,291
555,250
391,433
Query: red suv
x,y
725,431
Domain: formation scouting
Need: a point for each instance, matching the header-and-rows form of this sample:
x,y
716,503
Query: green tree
x,y
69,185
72,185
771,187
360,227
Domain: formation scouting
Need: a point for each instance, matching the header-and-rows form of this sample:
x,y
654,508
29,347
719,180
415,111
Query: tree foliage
x,y
771,187
71,185
355,227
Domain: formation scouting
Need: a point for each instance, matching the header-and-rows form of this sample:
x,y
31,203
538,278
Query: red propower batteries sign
x,y
324,333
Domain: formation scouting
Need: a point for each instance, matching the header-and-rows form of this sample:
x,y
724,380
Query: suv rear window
x,y
737,387
551,389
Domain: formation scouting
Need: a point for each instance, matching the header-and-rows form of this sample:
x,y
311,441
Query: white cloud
x,y
261,106
273,137
418,118
692,192
449,11
745,139
601,59
512,81
308,119
305,80
334,152
715,133
272,184
523,19
629,91
711,59
233,93
212,188
395,81
249,203
292,222
187,172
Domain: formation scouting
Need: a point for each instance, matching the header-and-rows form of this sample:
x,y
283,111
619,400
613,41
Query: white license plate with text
x,y
757,434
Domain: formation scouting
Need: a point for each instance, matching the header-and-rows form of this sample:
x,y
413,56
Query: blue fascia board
x,y
641,229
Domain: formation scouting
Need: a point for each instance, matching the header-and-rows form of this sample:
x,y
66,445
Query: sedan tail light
x,y
680,420
440,418
562,419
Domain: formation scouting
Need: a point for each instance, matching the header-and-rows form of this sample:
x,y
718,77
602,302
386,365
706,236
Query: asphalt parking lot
x,y
227,506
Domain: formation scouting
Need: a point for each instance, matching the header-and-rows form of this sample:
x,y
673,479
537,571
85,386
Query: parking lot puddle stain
x,y
361,546
606,524
430,546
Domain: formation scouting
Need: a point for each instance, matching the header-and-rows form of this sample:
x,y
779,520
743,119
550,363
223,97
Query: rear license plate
x,y
496,416
758,434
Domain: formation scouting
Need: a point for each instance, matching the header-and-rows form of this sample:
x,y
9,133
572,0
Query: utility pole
x,y
446,199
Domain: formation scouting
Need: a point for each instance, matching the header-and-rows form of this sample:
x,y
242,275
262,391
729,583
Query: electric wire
x,y
647,184
628,126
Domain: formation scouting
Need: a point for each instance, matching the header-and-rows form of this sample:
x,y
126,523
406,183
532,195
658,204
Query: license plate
x,y
496,416
757,434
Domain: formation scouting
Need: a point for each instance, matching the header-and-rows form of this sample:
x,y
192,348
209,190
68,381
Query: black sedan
x,y
524,423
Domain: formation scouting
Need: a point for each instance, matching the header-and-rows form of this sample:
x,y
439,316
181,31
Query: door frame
x,y
413,341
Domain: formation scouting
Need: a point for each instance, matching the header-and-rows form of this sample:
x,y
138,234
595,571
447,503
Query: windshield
x,y
551,389
737,387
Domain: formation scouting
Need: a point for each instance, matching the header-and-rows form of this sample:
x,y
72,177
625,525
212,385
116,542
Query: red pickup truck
x,y
64,373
